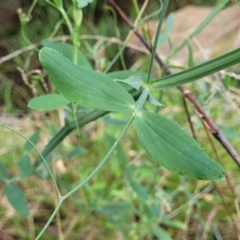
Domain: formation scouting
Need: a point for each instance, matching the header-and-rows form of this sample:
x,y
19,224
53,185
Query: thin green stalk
x,y
163,12
115,57
135,6
31,8
160,97
104,159
65,131
74,109
75,53
50,219
24,19
42,158
203,70
221,4
62,198
56,27
151,15
65,16
127,39
120,49
142,99
76,32
197,72
76,43
25,38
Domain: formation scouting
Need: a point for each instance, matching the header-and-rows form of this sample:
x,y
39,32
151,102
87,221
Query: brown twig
x,y
186,93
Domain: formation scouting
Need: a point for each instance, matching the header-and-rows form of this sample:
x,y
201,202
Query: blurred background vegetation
x,y
132,197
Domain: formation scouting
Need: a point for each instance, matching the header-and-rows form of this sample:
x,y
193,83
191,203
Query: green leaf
x,y
174,149
173,223
77,151
25,166
170,22
34,139
123,74
85,87
197,72
67,51
218,7
3,172
58,3
77,16
162,39
134,81
17,199
48,102
127,74
137,187
161,234
153,100
116,208
112,120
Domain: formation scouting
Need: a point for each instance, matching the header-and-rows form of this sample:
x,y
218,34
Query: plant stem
x,y
62,198
104,159
142,99
40,156
65,16
203,24
66,130
163,12
187,94
197,72
51,218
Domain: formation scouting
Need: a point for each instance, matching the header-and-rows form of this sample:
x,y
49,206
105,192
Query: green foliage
x,y
164,36
174,149
25,166
17,198
32,140
68,51
160,233
197,72
191,62
58,3
3,172
48,102
84,86
170,22
141,208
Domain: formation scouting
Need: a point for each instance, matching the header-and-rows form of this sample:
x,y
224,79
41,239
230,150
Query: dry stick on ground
x,y
186,93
